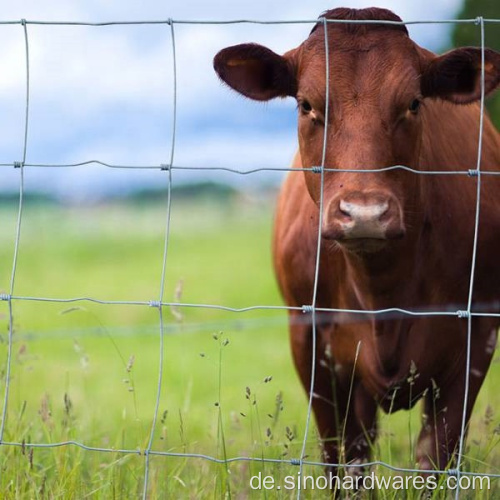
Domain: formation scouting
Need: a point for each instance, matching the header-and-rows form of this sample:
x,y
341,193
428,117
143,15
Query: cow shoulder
x,y
295,239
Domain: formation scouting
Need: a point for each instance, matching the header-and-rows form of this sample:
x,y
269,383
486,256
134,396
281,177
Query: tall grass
x,y
89,372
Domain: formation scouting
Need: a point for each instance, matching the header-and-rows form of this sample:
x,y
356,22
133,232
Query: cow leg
x,y
301,339
443,407
442,424
362,431
345,415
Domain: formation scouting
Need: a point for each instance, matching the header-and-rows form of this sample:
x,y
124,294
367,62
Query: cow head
x,y
379,84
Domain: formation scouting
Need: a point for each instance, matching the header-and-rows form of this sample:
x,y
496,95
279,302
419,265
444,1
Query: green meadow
x,y
89,373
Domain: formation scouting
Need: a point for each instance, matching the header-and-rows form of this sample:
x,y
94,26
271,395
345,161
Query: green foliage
x,y
469,34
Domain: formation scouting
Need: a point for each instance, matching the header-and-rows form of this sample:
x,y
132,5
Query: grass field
x,y
88,372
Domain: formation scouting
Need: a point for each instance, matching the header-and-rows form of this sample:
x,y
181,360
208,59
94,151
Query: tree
x,y
470,34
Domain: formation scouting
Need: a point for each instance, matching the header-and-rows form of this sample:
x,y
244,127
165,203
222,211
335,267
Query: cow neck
x,y
385,280
379,279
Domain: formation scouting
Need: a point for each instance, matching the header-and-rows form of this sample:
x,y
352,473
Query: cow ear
x,y
256,71
456,75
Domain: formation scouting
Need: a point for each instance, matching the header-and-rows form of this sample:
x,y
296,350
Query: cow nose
x,y
359,215
363,213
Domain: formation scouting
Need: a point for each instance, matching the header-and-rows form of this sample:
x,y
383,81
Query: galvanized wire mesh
x,y
160,302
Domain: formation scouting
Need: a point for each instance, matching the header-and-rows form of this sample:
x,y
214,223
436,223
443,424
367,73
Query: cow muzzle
x,y
363,216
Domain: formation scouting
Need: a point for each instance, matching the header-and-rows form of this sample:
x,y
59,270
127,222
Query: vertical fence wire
x,y
314,332
20,165
164,265
463,428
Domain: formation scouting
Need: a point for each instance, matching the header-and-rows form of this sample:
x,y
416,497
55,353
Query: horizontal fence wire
x,y
276,22
479,310
315,169
389,313
209,458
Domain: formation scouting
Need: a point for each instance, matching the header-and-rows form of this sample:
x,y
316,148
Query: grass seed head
x,y
130,363
68,405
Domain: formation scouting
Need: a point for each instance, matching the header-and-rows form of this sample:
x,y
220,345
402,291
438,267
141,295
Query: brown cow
x,y
390,239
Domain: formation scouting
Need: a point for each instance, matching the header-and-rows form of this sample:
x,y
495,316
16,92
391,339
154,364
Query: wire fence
x,y
160,303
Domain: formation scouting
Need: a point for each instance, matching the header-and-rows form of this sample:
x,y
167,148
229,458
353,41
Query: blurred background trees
x,y
470,34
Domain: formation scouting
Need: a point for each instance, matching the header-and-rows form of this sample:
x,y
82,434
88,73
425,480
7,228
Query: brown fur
x,y
375,76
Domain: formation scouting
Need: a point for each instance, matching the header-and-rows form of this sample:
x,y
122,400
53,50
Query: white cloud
x,y
106,92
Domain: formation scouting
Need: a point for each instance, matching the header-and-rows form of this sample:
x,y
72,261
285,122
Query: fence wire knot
x,y
463,314
23,22
18,164
317,170
6,297
165,166
296,461
473,172
478,20
307,309
155,303
453,472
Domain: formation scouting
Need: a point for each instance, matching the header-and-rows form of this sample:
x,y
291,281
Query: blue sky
x,y
106,92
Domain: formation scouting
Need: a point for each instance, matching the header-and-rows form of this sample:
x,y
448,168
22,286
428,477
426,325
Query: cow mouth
x,y
363,245
364,242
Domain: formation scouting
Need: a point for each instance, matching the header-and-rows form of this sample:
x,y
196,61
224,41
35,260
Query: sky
x,y
106,93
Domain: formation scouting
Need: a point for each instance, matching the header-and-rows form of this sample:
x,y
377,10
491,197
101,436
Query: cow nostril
x,y
384,212
344,212
345,208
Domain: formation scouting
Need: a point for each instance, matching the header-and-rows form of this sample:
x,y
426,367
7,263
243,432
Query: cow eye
x,y
305,106
415,106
